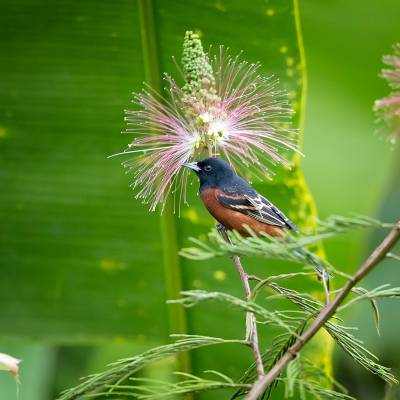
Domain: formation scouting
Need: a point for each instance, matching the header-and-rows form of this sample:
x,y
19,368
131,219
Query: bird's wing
x,y
268,207
257,207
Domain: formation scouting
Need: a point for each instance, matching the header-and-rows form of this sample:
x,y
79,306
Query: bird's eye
x,y
207,168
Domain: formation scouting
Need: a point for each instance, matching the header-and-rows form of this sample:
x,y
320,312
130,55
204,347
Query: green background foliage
x,y
349,169
84,271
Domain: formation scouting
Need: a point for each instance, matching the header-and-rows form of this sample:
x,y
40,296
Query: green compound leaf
x,y
104,383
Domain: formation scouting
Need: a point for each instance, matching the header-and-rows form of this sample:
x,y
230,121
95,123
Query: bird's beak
x,y
192,165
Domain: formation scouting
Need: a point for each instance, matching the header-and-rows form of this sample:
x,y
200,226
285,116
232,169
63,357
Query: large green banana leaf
x,y
81,259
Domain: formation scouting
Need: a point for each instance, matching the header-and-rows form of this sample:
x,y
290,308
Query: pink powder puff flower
x,y
388,108
225,108
9,363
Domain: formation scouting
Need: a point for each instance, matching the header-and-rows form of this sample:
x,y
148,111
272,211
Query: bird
x,y
234,203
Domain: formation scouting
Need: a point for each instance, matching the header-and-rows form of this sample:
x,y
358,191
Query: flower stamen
x,y
224,108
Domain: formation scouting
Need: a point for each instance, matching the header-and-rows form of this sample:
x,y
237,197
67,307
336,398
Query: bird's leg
x,y
223,232
251,323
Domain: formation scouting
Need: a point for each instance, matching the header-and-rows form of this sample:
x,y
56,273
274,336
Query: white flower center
x,y
205,117
217,129
213,130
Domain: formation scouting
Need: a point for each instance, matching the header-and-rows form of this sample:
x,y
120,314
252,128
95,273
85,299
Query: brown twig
x,y
251,323
328,311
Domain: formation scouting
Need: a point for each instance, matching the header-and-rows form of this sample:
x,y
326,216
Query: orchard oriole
x,y
234,203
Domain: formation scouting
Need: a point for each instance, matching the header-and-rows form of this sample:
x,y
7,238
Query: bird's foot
x,y
220,228
223,232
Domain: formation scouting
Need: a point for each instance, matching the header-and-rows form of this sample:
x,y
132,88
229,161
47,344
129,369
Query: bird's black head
x,y
211,171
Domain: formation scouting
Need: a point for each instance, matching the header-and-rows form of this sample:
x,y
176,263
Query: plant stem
x,y
173,276
251,323
328,311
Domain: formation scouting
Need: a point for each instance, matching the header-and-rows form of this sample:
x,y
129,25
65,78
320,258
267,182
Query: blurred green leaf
x,y
81,259
74,266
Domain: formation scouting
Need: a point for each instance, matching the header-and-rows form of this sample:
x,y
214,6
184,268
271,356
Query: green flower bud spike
x,y
200,94
197,69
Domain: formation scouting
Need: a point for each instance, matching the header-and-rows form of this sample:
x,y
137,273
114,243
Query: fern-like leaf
x,y
116,373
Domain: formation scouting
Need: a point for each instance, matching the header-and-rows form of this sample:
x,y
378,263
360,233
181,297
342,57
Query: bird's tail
x,y
317,263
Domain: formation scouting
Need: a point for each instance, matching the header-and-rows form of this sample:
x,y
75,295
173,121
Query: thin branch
x,y
251,323
327,312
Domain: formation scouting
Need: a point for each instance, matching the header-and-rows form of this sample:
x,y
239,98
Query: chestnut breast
x,y
232,219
